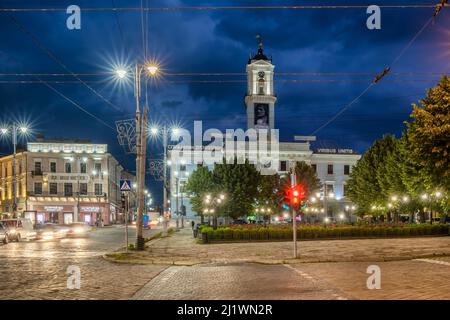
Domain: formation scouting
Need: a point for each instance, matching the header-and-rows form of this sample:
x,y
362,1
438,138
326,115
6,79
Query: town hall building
x,y
332,165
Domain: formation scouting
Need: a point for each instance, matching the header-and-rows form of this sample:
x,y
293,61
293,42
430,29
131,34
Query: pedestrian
x,y
193,224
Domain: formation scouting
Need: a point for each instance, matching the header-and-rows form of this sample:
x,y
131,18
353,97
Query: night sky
x,y
312,42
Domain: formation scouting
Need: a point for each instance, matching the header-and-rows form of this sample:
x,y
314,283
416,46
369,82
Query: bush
x,y
310,232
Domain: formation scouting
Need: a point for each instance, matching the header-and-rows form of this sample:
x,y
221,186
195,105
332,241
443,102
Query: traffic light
x,y
122,200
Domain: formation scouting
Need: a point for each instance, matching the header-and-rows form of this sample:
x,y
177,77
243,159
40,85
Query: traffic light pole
x,y
294,220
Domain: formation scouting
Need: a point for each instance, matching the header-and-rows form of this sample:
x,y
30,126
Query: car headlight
x,y
12,231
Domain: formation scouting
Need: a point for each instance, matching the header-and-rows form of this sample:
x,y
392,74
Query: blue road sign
x,y
125,185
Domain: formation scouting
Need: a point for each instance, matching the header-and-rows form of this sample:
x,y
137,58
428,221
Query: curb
x,y
270,262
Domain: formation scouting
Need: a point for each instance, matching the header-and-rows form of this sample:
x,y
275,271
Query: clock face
x,y
261,74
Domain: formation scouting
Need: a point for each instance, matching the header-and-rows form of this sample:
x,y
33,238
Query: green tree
x,y
270,193
239,182
367,185
429,136
198,185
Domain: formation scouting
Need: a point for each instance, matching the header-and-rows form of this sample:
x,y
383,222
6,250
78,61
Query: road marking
x,y
307,276
434,261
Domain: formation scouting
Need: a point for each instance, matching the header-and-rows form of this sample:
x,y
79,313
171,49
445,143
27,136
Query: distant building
x,y
332,166
62,182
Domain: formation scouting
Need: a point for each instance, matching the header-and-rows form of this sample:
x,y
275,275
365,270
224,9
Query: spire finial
x,y
260,43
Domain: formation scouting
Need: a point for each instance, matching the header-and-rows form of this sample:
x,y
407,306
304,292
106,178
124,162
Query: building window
x,y
98,167
68,189
53,166
53,188
38,167
38,188
344,190
329,189
330,169
98,189
314,167
83,189
283,165
83,167
346,169
68,167
182,167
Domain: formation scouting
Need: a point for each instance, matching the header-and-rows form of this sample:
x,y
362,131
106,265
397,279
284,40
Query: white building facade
x,y
333,166
63,182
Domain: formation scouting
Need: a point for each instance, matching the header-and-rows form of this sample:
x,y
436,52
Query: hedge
x,y
232,234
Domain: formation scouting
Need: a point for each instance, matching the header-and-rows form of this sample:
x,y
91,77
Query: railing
x,y
64,194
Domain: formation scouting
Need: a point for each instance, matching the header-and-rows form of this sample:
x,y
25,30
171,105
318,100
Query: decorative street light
x,y
164,130
15,129
213,201
141,143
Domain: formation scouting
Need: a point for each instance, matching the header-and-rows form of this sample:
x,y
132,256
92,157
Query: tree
x,y
429,136
270,192
239,182
367,186
198,185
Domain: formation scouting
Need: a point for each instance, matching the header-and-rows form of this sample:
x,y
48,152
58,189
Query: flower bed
x,y
311,232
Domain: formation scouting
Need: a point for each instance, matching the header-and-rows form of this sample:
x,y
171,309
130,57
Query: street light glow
x,y
341,216
121,73
424,196
23,129
438,194
154,131
4,130
405,199
152,69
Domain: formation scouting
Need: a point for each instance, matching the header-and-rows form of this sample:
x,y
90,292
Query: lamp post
x,y
141,144
165,139
214,201
15,129
430,197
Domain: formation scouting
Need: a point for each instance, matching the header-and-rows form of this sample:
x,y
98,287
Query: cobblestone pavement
x,y
236,281
183,249
407,280
37,270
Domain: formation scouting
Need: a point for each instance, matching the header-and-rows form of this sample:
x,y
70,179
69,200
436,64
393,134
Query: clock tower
x,y
260,98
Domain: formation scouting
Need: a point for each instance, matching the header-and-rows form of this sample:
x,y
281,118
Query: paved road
x,y
37,270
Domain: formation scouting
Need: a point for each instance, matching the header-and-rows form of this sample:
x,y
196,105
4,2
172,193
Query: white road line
x,y
445,263
307,276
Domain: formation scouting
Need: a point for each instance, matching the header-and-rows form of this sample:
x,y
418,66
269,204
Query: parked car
x,y
4,234
239,221
49,231
78,230
20,229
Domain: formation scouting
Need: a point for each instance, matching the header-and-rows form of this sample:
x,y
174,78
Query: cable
x,y
75,104
168,8
408,45
46,51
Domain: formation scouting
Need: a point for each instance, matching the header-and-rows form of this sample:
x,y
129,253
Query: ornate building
x,y
332,165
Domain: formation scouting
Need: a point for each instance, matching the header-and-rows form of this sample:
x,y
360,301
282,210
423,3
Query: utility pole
x,y
139,160
294,222
14,137
165,204
176,203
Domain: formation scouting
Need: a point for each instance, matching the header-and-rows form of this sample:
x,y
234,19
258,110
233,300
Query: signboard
x,y
125,185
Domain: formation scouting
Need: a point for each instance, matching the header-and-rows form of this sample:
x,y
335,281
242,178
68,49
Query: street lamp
x,y
141,144
15,129
214,200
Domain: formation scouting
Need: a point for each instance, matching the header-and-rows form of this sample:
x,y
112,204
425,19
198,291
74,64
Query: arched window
x,y
261,84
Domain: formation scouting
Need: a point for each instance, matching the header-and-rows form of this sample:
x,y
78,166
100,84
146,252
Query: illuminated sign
x,y
53,208
90,209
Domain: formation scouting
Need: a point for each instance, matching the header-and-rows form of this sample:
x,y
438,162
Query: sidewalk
x,y
182,249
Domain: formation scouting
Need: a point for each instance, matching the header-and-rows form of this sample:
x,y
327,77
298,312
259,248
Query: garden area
x,y
246,233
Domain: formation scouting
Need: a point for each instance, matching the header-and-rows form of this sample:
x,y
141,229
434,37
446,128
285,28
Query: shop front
x,y
95,214
58,214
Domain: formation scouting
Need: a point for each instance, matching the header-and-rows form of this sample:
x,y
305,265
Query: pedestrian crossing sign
x,y
125,185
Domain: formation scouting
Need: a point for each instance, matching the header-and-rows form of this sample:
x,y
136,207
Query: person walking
x,y
193,224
